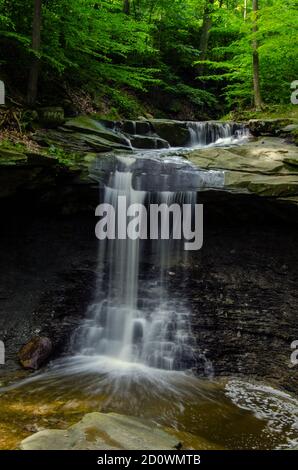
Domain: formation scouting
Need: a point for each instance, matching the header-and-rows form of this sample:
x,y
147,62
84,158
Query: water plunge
x,y
132,318
137,321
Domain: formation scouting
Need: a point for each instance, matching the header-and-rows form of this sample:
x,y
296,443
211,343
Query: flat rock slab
x,y
99,431
267,167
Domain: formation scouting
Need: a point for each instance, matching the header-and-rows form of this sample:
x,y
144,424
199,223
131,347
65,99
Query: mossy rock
x,y
85,125
12,157
269,127
51,116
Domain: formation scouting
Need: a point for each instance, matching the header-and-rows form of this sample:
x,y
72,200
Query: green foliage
x,y
230,58
94,46
7,144
64,158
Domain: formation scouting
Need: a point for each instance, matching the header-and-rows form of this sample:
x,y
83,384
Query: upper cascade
x,y
89,134
160,133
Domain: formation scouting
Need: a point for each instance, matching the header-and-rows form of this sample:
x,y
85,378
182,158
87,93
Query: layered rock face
x,y
267,167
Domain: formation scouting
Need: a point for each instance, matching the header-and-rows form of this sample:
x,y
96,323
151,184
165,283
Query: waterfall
x,y
133,317
210,132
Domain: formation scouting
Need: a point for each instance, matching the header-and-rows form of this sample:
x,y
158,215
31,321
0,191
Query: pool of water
x,y
202,413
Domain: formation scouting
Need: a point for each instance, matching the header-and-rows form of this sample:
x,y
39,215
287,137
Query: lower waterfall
x,y
135,319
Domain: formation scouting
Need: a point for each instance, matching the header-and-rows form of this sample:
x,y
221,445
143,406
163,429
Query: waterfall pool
x,y
201,413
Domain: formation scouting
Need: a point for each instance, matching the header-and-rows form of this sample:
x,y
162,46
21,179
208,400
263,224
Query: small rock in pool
x,y
35,353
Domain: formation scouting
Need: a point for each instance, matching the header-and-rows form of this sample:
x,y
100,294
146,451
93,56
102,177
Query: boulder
x,y
99,431
269,127
35,353
174,132
51,116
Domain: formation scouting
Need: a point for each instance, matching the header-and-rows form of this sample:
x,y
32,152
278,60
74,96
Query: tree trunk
x,y
245,10
36,43
205,32
207,23
255,58
126,7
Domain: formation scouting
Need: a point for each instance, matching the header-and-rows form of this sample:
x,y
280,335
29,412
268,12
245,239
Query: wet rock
x,y
86,125
140,142
35,353
78,142
268,127
99,431
174,132
136,127
290,133
51,116
28,171
267,168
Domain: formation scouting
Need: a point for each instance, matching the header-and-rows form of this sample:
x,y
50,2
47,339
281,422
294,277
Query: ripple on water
x,y
222,414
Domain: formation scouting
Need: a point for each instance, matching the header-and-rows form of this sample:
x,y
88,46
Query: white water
x,y
210,133
136,320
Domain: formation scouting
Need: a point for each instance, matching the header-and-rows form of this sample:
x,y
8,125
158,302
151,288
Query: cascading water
x,y
209,132
137,321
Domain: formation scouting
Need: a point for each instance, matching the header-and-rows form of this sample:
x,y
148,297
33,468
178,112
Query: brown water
x,y
203,414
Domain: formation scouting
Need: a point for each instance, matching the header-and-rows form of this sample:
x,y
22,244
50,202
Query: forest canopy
x,y
200,57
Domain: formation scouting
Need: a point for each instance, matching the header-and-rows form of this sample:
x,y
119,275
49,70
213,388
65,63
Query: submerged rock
x,y
99,431
35,353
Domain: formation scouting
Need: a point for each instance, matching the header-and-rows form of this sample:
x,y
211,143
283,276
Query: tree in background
x,y
126,7
36,43
253,63
255,57
206,27
181,58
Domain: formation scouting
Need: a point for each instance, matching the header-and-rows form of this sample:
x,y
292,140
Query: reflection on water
x,y
225,414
